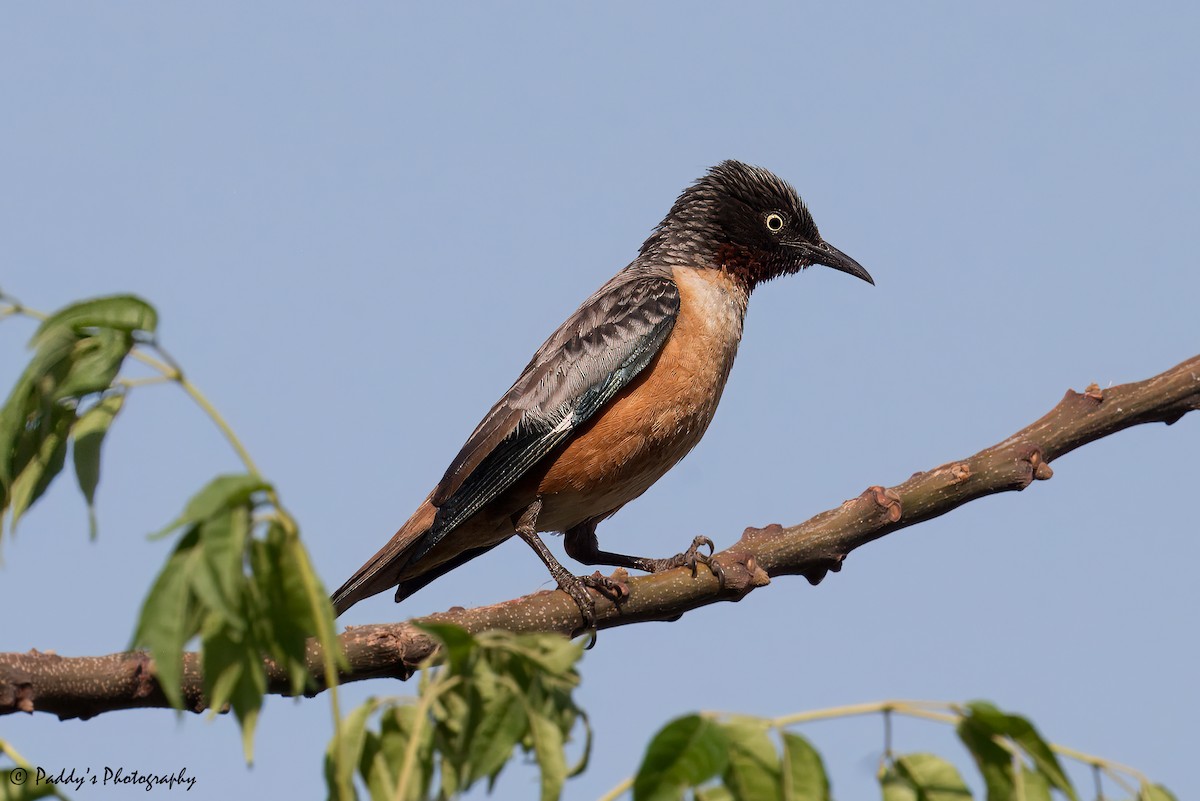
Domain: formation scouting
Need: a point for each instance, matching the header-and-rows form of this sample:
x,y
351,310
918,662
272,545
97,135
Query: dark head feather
x,y
722,220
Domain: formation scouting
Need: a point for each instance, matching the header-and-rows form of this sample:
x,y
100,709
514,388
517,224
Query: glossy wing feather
x,y
588,360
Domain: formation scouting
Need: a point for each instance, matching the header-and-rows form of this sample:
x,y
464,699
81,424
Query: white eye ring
x,y
774,222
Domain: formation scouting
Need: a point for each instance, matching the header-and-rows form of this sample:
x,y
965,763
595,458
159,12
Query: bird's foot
x,y
576,587
691,558
611,587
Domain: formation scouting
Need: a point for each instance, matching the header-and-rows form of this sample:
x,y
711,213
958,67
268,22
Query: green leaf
x,y
13,417
457,643
218,581
165,625
715,792
79,351
579,767
396,731
1155,792
21,415
450,787
548,748
501,727
345,750
27,419
933,778
223,492
753,771
223,667
470,720
1035,786
895,786
318,620
234,675
1024,734
88,432
995,762
555,656
46,463
310,612
285,614
247,698
93,363
50,362
375,769
205,589
686,752
803,771
119,312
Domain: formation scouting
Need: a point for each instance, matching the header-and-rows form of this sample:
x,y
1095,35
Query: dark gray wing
x,y
596,352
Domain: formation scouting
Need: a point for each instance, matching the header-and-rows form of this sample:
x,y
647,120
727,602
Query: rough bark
x,y
81,687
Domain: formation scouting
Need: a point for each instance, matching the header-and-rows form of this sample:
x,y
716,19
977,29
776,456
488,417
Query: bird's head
x,y
748,222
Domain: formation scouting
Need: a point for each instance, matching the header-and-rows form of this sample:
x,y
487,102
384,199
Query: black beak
x,y
826,254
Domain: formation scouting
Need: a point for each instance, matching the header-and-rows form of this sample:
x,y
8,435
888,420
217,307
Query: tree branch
x,y
81,687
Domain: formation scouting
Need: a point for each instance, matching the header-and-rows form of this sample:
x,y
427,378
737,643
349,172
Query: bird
x,y
614,398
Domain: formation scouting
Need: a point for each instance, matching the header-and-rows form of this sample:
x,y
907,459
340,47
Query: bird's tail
x,y
382,571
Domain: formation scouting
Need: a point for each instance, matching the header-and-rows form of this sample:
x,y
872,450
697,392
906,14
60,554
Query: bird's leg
x,y
582,546
525,524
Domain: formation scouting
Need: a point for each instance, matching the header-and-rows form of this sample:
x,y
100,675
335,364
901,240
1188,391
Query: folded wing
x,y
589,359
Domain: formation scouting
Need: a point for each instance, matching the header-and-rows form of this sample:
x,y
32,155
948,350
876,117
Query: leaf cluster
x,y
729,760
78,352
706,758
240,580
494,693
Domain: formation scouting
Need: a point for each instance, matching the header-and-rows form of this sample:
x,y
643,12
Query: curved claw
x,y
694,557
577,589
717,569
608,586
690,558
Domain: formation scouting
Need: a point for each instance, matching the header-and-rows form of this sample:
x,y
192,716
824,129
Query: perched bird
x,y
617,395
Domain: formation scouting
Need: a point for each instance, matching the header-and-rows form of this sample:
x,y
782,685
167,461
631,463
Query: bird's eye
x,y
774,222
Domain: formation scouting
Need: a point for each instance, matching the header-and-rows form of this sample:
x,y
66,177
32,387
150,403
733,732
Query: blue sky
x,y
358,222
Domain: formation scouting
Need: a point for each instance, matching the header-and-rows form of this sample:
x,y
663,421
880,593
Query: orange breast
x,y
660,416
